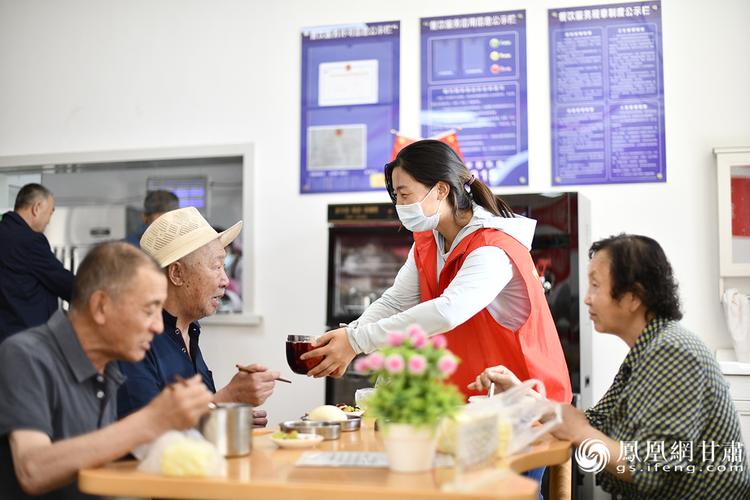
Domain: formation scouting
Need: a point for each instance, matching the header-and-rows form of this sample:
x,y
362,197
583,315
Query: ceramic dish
x,y
354,413
302,441
357,413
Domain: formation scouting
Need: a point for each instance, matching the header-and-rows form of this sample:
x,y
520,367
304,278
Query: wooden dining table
x,y
270,473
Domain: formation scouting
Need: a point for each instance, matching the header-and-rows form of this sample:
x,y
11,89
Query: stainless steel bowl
x,y
229,426
329,430
351,423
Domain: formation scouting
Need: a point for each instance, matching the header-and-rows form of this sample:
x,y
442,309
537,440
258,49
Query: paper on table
x,y
366,459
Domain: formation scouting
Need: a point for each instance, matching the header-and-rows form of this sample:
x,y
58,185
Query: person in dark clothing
x,y
31,278
59,380
191,254
156,203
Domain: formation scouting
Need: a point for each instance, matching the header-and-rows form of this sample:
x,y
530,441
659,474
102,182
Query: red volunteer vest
x,y
533,351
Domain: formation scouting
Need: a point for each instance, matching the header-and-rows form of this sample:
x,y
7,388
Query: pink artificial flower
x,y
417,364
447,364
394,364
439,342
414,330
418,337
375,361
395,339
361,365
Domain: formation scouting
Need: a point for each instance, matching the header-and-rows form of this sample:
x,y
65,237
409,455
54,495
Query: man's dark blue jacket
x,y
31,277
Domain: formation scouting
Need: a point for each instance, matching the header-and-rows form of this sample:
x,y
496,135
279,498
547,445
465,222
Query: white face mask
x,y
414,219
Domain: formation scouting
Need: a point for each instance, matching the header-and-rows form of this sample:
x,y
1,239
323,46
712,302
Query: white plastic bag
x,y
180,454
522,412
737,313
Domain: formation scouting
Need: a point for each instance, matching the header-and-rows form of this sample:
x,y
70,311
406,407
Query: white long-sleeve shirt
x,y
487,279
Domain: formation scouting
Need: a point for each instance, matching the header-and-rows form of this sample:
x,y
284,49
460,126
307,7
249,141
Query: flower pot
x,y
409,448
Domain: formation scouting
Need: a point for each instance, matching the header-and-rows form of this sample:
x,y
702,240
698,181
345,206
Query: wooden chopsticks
x,y
248,370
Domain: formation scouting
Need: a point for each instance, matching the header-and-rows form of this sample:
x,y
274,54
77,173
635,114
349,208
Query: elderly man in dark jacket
x,y
31,278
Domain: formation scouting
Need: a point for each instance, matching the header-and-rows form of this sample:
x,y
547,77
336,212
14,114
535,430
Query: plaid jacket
x,y
670,407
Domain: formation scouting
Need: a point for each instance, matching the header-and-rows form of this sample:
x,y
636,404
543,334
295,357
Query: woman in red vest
x,y
469,275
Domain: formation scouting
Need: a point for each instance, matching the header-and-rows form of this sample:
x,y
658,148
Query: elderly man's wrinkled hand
x,y
337,352
252,388
260,418
181,405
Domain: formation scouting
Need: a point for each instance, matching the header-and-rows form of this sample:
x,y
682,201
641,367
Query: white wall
x,y
94,75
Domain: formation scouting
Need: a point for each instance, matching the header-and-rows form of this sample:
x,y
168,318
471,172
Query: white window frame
x,y
731,274
248,316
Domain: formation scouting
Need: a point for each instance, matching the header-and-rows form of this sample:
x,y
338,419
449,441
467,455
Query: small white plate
x,y
302,441
358,413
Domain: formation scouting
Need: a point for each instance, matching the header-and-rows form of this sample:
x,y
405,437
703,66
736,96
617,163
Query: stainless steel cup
x,y
229,426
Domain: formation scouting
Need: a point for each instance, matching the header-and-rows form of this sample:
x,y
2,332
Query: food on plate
x,y
296,440
327,413
348,408
285,435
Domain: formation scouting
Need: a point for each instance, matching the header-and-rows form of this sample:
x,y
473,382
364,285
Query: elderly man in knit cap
x,y
191,253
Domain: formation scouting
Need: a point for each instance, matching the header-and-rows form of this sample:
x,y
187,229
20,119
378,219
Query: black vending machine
x,y
366,248
555,252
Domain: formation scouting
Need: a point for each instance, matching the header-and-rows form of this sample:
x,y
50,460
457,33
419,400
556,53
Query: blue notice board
x,y
474,81
350,103
607,94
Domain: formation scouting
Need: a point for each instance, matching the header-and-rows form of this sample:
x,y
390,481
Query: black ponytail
x,y
430,161
483,196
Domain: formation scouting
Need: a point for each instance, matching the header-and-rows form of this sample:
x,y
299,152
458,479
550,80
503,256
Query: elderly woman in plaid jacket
x,y
666,427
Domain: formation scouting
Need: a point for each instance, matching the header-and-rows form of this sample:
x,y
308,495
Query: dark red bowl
x,y
296,345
